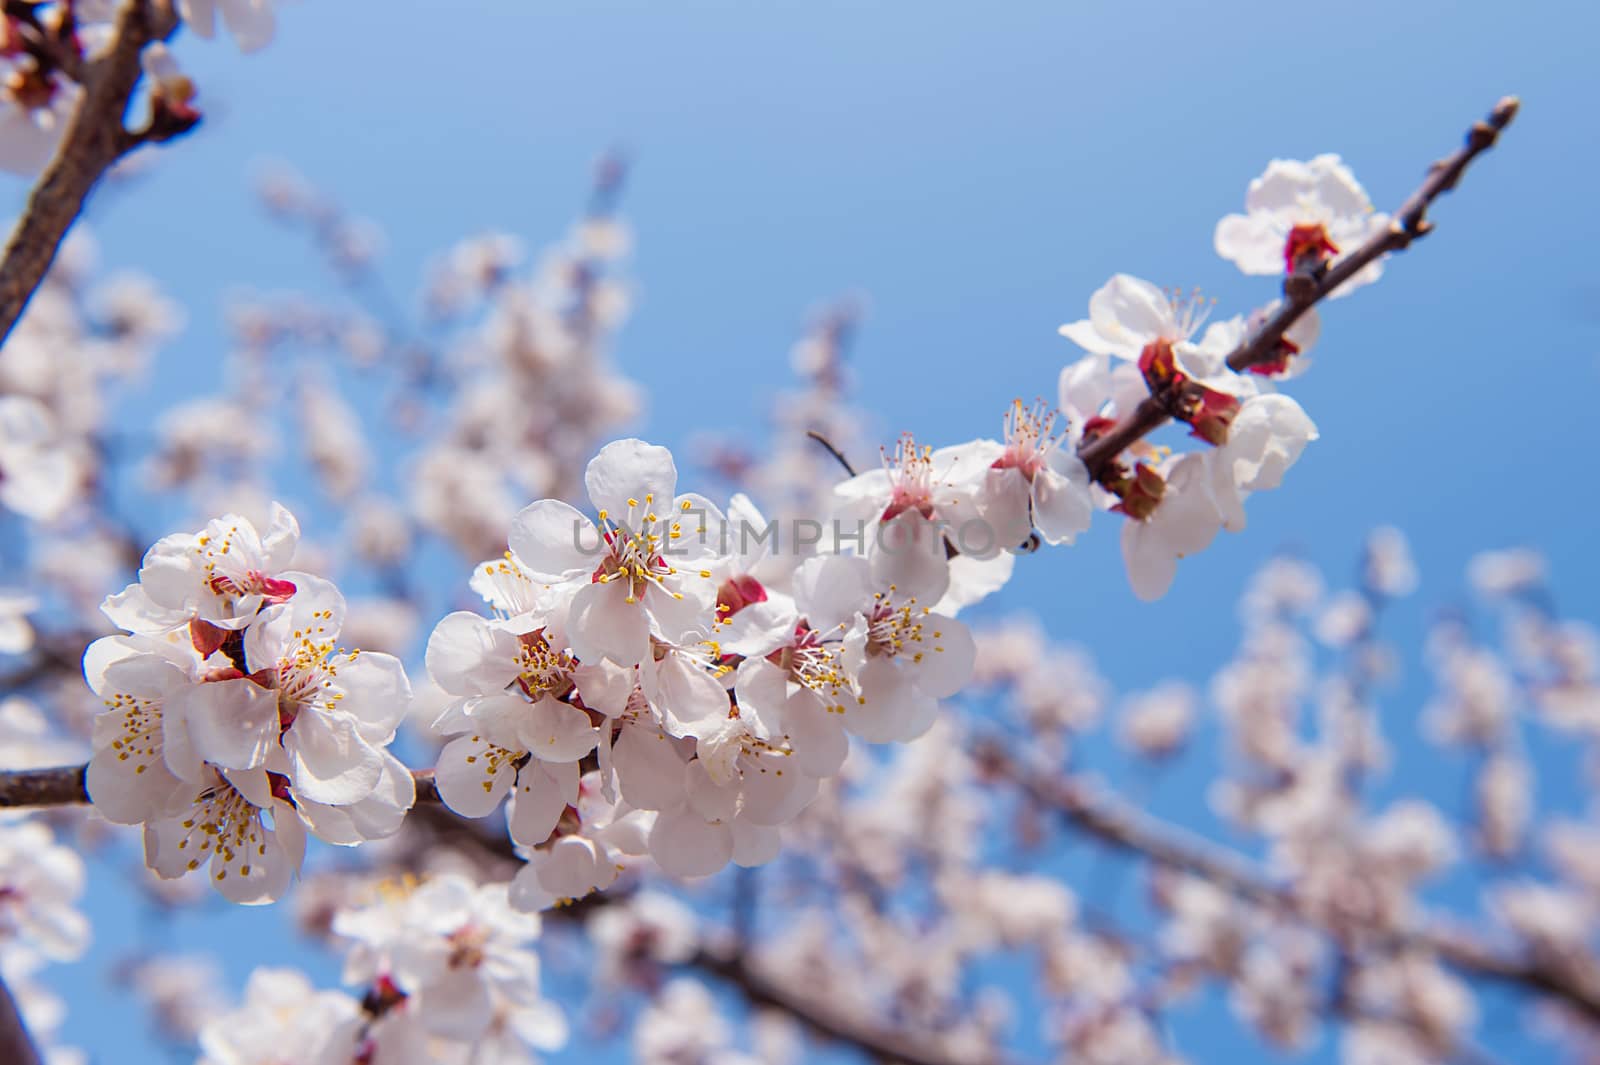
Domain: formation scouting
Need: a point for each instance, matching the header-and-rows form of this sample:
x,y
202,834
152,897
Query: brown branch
x,y
65,785
1301,293
16,1046
822,1018
95,139
57,786
1115,822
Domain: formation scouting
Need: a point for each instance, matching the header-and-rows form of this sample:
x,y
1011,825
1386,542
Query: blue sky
x,y
974,172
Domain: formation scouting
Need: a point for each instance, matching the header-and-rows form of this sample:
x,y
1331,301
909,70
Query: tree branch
x,y
95,139
821,1018
16,1046
65,785
1113,821
1301,293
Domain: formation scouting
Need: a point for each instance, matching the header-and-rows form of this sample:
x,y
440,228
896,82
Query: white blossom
x,y
1319,194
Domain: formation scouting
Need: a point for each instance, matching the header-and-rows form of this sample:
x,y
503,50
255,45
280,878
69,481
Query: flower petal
x,y
469,655
631,469
553,731
552,539
329,762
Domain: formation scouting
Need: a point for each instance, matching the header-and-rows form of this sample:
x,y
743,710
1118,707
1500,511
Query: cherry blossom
x,y
332,711
1184,522
283,1018
586,856
907,514
250,858
642,570
1302,212
1037,483
221,576
457,956
1127,313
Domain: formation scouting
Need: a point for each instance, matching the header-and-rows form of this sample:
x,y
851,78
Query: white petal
x,y
1062,502
553,539
1251,243
542,794
473,775
683,613
329,761
469,655
556,732
377,816
818,736
763,693
605,686
714,797
1267,437
317,608
1086,336
684,693
572,867
909,555
941,662
133,784
1151,564
685,845
282,536
231,723
251,22
649,768
974,579
604,623
631,469
134,610
830,589
759,628
1129,313
376,693
891,708
754,844
458,1004
775,789
1006,497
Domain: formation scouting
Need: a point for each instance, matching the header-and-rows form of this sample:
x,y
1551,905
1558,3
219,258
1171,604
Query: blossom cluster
x,y
707,678
669,677
446,975
233,722
659,679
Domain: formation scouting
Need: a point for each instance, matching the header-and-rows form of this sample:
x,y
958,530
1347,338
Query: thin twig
x,y
1302,293
835,452
1113,821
